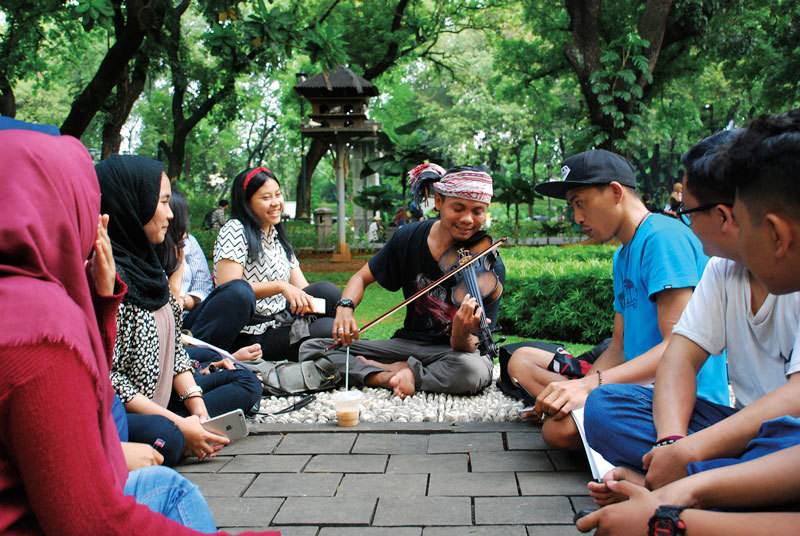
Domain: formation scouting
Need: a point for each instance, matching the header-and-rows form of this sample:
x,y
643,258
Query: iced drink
x,y
347,405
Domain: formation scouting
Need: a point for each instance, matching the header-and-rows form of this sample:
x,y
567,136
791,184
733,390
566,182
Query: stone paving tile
x,y
368,531
316,444
467,442
243,512
582,503
285,531
568,461
391,444
516,426
520,460
427,463
552,530
472,530
525,441
396,485
294,485
347,463
266,463
425,511
326,510
216,485
473,485
254,444
561,483
522,510
209,465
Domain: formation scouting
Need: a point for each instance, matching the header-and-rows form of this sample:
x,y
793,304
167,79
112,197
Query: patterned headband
x,y
252,174
473,184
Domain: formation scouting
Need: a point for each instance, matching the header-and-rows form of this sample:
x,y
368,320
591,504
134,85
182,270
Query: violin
x,y
478,280
475,257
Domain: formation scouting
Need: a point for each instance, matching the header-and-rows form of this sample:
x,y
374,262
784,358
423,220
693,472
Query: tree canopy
x,y
515,85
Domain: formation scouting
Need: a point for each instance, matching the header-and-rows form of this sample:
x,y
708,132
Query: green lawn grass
x,y
378,300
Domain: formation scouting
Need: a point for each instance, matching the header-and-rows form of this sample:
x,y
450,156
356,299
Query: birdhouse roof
x,y
340,83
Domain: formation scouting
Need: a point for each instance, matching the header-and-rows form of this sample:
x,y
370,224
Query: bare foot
x,y
601,493
395,366
403,383
248,353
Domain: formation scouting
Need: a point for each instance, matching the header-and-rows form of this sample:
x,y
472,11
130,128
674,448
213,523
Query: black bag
x,y
207,220
284,378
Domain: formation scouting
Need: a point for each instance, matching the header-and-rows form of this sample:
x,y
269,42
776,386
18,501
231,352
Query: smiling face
x,y
156,228
267,204
459,217
595,211
714,227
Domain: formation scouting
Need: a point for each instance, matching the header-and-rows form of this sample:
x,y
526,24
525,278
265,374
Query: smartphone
x,y
318,305
231,425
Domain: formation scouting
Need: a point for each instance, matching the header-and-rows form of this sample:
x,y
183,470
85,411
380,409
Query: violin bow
x,y
423,291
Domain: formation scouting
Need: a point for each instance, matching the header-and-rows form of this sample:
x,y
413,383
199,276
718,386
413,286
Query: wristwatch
x,y
345,302
666,522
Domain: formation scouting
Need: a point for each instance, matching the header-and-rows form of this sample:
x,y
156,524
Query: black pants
x,y
275,342
219,319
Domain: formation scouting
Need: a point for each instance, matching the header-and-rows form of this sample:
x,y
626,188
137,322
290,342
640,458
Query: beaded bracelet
x,y
669,440
191,390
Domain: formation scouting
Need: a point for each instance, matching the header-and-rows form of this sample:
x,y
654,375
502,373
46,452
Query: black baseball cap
x,y
597,166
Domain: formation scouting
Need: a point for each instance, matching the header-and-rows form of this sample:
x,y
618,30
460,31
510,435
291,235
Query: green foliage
x,y
558,293
380,197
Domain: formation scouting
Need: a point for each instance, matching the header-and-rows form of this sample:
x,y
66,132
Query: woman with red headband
x,y
263,296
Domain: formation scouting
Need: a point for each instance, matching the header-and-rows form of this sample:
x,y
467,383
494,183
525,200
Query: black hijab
x,y
130,187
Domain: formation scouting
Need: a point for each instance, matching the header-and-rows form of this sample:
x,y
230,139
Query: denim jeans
x,y
619,422
221,316
168,493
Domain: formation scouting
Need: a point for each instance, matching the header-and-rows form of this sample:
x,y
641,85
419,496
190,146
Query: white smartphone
x,y
318,304
231,425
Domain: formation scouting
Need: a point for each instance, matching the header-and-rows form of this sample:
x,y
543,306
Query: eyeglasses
x,y
685,215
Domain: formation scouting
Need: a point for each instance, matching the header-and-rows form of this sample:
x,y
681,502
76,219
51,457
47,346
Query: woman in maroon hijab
x,y
62,469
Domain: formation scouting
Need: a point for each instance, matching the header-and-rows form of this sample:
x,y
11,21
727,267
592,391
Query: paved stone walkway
x,y
394,479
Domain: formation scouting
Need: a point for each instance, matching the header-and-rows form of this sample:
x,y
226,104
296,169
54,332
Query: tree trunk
x,y
315,153
583,52
143,16
8,103
128,91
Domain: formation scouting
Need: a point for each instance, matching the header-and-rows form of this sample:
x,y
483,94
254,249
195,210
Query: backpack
x,y
207,220
285,378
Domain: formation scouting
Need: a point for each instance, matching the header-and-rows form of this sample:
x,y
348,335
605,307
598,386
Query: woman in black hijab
x,y
166,397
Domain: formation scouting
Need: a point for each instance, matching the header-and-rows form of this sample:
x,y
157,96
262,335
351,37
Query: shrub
x,y
558,293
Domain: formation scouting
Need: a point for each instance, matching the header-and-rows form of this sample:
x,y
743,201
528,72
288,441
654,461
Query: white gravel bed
x,y
381,405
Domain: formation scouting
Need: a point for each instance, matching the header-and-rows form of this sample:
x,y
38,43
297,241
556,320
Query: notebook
x,y
599,465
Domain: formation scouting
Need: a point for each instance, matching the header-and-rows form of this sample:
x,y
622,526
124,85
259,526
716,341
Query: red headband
x,y
252,174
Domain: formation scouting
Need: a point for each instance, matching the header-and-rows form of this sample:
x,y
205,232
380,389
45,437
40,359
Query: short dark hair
x,y
700,162
223,202
764,164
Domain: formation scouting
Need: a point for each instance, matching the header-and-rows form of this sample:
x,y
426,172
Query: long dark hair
x,y
240,209
169,249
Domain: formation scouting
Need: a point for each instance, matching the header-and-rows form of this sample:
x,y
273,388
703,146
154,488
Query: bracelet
x,y
191,390
191,396
599,378
669,440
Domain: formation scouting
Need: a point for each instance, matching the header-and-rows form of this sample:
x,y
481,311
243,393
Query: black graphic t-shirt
x,y
406,262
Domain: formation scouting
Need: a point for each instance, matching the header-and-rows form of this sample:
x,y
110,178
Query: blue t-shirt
x,y
663,254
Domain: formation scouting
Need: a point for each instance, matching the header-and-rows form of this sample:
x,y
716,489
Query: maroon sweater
x,y
62,470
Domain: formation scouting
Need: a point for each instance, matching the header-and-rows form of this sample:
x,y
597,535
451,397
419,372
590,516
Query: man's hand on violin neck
x,y
345,328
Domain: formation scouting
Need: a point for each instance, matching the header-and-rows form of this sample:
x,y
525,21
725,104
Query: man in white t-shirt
x,y
646,430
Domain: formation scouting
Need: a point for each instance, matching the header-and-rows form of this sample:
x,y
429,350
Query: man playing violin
x,y
436,349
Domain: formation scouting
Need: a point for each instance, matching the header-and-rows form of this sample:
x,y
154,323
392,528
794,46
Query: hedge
x,y
556,293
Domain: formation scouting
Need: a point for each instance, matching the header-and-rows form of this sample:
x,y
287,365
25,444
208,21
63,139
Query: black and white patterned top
x,y
272,265
136,359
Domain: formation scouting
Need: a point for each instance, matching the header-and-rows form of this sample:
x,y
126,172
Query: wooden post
x,y
342,252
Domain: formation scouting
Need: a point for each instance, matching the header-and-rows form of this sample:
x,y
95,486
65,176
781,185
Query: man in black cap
x,y
655,270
